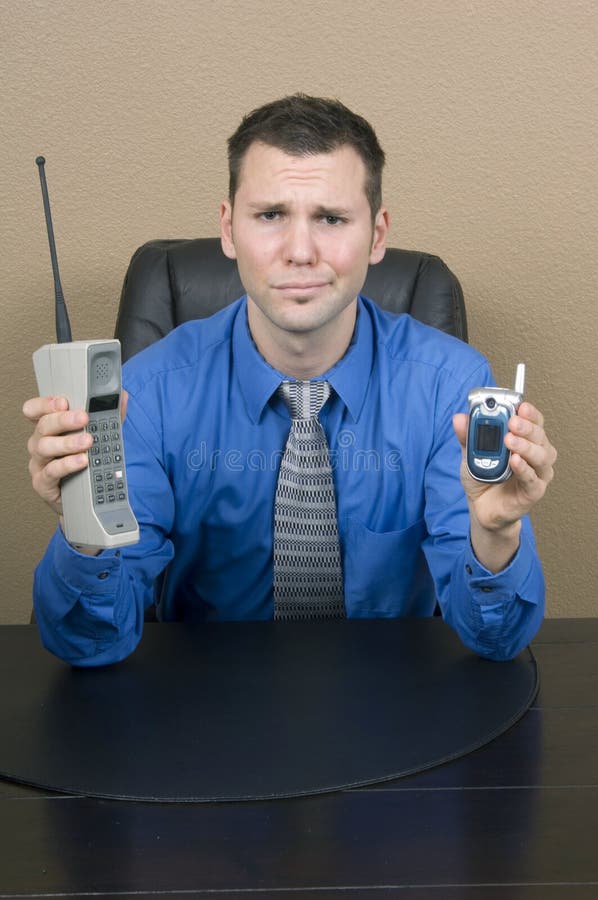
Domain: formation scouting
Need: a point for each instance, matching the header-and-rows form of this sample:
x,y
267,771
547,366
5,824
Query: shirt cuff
x,y
496,587
82,573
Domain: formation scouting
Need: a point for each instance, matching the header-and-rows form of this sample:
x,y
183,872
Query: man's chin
x,y
301,314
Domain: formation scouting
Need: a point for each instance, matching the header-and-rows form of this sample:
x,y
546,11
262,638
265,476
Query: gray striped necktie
x,y
308,581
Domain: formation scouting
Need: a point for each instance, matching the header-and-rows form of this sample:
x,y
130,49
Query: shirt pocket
x,y
386,573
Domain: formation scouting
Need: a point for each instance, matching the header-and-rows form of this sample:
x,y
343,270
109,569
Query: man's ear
x,y
381,226
226,229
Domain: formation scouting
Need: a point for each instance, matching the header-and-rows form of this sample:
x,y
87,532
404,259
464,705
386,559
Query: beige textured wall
x,y
487,112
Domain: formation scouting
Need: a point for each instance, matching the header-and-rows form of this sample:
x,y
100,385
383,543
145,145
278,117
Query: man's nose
x,y
300,245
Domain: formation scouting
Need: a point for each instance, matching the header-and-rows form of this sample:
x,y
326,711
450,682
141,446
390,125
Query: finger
x,y
460,422
538,457
49,476
56,426
62,422
528,411
37,407
44,448
526,428
46,479
531,426
530,485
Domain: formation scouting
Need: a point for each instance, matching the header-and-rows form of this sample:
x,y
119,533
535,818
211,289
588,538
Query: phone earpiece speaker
x,y
103,369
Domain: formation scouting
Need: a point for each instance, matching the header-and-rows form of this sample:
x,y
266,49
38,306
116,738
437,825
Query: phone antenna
x,y
63,326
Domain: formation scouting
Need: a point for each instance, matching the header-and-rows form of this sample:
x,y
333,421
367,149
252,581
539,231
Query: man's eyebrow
x,y
332,210
265,205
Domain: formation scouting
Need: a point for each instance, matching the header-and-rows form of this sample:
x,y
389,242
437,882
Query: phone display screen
x,y
488,438
104,403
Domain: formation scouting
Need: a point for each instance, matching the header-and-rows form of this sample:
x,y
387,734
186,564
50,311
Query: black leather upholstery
x,y
171,281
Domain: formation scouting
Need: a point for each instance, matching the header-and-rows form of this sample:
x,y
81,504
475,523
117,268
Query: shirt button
x,y
487,590
103,575
468,569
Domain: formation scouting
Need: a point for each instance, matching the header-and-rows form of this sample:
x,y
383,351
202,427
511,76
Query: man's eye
x,y
333,220
270,215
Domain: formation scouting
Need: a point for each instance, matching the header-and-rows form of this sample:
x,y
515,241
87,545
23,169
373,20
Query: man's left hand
x,y
498,506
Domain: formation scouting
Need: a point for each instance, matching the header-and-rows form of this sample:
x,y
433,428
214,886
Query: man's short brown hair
x,y
301,125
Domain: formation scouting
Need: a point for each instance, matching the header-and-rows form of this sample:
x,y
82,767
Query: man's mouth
x,y
300,285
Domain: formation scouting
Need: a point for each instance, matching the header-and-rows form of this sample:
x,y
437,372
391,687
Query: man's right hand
x,y
57,446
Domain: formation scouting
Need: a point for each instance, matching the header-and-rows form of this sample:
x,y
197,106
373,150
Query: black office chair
x,y
169,282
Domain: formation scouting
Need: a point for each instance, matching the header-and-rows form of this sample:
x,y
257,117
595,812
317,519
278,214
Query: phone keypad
x,y
106,461
486,462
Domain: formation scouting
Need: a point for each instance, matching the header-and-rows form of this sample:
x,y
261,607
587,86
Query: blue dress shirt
x,y
204,437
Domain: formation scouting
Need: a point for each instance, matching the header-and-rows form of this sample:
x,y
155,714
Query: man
x,y
208,420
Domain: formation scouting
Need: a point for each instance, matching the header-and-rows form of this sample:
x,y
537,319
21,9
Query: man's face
x,y
301,232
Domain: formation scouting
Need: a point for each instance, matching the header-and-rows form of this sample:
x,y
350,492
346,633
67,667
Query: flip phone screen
x,y
487,438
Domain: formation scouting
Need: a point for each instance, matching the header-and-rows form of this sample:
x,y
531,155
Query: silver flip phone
x,y
489,412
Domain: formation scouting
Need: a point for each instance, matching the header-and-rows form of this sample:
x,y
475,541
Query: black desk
x,y
516,819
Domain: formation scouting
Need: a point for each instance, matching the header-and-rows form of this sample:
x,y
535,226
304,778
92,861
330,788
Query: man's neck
x,y
302,355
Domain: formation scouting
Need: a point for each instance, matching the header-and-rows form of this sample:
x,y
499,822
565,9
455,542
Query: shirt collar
x,y
260,384
349,377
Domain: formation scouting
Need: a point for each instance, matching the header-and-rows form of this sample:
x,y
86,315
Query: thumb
x,y
460,422
123,405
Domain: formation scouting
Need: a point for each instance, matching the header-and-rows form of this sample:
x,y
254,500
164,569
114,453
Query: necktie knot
x,y
304,399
